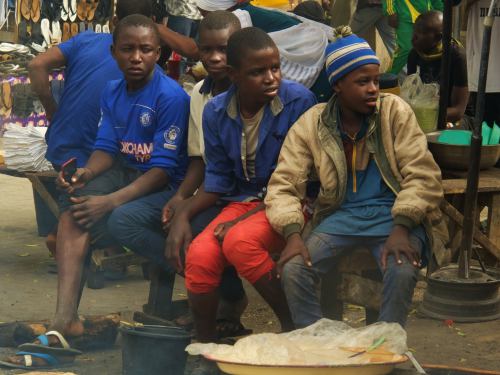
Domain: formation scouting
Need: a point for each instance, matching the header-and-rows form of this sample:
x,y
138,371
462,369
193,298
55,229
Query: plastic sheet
x,y
326,342
423,99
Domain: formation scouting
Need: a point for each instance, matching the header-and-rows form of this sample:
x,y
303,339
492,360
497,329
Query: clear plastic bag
x,y
423,99
327,342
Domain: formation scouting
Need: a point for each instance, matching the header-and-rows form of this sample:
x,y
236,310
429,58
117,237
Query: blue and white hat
x,y
347,53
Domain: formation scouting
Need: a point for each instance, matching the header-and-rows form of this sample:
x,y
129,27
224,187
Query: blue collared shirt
x,y
223,130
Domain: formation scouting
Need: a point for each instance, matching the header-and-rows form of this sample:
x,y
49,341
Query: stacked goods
x,y
24,148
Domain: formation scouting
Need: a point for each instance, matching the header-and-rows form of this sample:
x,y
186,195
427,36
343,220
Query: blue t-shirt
x,y
148,127
365,212
89,66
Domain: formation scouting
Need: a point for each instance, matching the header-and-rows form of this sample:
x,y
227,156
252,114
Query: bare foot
x,y
72,329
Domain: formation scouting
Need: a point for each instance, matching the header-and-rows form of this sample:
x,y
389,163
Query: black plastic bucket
x,y
154,350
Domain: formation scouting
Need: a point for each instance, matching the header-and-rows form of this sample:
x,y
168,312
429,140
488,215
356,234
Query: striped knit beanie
x,y
347,53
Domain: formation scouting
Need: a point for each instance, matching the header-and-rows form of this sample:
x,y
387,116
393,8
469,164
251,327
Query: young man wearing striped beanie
x,y
380,186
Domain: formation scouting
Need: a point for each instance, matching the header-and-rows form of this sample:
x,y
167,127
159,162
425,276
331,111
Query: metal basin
x,y
458,156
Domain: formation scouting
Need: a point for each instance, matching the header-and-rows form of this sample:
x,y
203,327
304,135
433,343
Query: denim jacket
x,y
223,133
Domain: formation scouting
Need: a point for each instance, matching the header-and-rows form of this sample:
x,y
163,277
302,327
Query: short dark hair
x,y
136,20
429,16
249,38
125,8
219,20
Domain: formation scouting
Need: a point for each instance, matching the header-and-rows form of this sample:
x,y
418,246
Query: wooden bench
x,y
160,289
357,280
454,186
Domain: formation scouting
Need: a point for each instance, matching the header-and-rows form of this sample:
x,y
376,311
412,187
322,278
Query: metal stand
x,y
457,292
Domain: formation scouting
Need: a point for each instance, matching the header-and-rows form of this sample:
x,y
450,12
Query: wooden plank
x,y
458,185
360,291
119,260
479,237
44,194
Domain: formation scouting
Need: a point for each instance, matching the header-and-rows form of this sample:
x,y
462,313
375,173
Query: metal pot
x,y
457,156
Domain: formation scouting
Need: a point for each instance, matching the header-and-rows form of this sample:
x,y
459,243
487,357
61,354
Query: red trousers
x,y
246,246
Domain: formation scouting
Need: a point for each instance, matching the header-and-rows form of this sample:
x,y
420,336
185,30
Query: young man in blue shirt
x,y
243,131
88,66
139,158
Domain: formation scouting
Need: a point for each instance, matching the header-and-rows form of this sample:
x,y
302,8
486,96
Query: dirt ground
x,y
27,292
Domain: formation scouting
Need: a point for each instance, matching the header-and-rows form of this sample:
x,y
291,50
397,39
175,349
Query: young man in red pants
x,y
243,132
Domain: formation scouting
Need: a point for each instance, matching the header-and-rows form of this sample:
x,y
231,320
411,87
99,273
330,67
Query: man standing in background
x,y
477,11
183,17
402,15
369,14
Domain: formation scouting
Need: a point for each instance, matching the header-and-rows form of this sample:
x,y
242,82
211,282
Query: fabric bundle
x,y
24,148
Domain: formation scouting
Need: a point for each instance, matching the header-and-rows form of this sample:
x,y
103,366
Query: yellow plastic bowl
x,y
367,369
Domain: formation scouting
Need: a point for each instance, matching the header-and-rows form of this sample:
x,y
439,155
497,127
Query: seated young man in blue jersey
x,y
139,156
214,32
88,66
243,131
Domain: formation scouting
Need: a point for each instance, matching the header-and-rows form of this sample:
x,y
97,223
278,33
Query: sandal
x,y
35,10
72,10
81,10
66,34
52,362
228,328
74,29
44,347
91,8
25,8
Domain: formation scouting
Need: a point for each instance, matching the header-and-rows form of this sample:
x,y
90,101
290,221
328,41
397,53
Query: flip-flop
x,y
105,28
74,29
46,33
72,10
56,32
65,10
25,9
35,10
44,347
81,10
91,8
52,361
66,32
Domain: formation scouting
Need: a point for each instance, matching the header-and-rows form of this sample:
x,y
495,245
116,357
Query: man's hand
x,y
50,109
294,246
79,179
179,237
393,21
398,244
221,230
89,209
168,211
